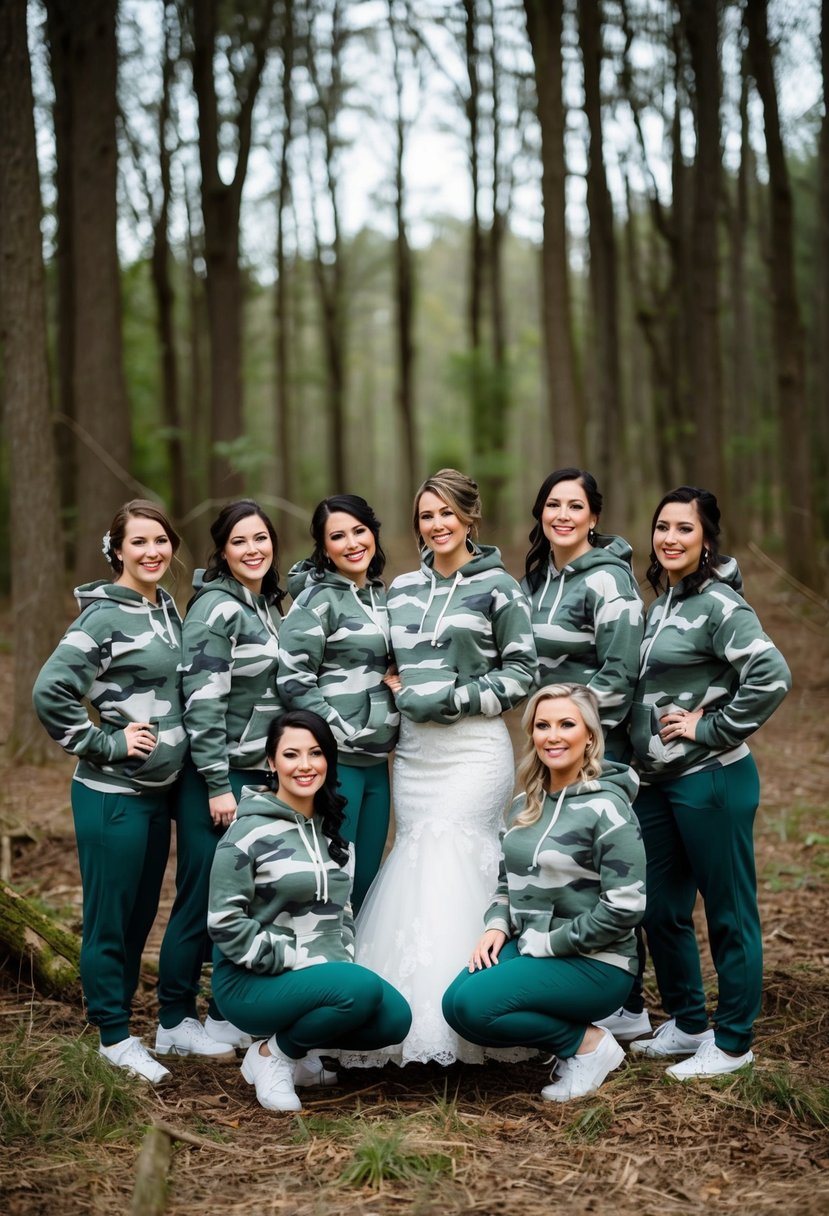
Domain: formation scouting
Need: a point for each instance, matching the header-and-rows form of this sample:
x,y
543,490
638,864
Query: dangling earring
x,y
705,558
272,781
470,546
591,536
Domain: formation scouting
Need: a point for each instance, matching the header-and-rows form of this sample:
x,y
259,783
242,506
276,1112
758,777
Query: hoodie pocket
x,y
164,761
379,734
251,745
651,751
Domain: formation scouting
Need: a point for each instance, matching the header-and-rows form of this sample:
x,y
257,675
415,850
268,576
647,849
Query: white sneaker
x,y
273,1077
669,1040
310,1070
709,1061
580,1075
131,1055
225,1032
624,1025
190,1038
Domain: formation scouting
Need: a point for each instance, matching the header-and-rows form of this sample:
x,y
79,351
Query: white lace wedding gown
x,y
424,912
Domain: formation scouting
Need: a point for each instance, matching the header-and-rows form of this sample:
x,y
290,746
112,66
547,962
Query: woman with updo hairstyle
x,y
121,657
464,654
559,950
334,654
230,654
709,677
281,919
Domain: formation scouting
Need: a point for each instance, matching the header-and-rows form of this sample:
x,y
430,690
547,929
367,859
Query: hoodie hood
x,y
305,574
163,617
610,553
227,585
726,571
483,557
262,802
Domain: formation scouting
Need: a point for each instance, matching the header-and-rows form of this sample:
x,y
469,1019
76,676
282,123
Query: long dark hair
x,y
328,804
349,504
538,554
709,516
220,531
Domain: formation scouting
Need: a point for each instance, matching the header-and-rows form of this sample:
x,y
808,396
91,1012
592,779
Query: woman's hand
x,y
392,680
222,809
681,724
487,950
140,738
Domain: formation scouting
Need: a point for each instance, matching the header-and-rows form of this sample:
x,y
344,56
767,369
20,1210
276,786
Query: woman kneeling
x,y
559,951
281,920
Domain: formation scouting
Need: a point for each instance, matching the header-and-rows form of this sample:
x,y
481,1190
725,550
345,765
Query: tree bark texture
x,y
604,353
103,443
707,466
282,344
544,25
34,495
798,518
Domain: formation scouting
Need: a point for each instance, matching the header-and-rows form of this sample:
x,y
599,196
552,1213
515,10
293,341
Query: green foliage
x,y
382,1156
590,1125
58,1090
779,1087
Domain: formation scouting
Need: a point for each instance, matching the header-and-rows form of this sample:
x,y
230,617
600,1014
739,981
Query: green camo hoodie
x,y
704,649
573,882
588,619
462,644
278,901
230,645
333,654
122,655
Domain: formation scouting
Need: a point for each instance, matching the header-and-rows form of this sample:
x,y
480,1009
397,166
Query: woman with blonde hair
x,y
463,648
559,949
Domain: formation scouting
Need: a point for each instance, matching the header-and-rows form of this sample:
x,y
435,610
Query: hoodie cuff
x,y
468,698
118,747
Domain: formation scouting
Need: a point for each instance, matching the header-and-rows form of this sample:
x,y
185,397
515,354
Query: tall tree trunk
x,y
404,285
282,344
35,504
544,25
164,294
221,205
102,411
58,29
798,516
821,403
603,277
499,393
702,32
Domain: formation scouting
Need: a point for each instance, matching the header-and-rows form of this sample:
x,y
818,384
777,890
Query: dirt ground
x,y
473,1139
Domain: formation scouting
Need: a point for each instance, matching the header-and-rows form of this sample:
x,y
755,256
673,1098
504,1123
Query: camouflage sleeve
x,y
266,949
763,675
205,682
619,861
302,640
618,625
58,694
503,687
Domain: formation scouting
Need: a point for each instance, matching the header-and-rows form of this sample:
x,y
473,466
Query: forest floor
x,y
464,1139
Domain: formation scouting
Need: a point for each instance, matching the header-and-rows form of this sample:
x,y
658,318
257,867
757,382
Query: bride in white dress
x,y
464,652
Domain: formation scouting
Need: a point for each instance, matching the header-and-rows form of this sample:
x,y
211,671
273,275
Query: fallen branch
x,y
49,953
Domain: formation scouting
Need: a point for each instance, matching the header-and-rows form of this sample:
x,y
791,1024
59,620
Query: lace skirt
x,y
424,911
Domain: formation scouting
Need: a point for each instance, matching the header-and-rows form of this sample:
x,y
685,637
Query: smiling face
x,y
566,520
301,768
146,552
560,739
443,532
249,552
350,545
678,540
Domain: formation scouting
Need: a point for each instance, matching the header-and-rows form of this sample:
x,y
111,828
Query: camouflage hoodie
x,y
230,644
333,654
573,882
122,655
278,902
705,649
462,644
588,619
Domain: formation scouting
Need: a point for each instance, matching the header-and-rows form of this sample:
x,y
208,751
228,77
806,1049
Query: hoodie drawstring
x,y
314,851
663,620
559,593
550,826
443,610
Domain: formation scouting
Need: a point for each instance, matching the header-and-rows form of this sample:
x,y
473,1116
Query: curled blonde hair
x,y
458,491
532,775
